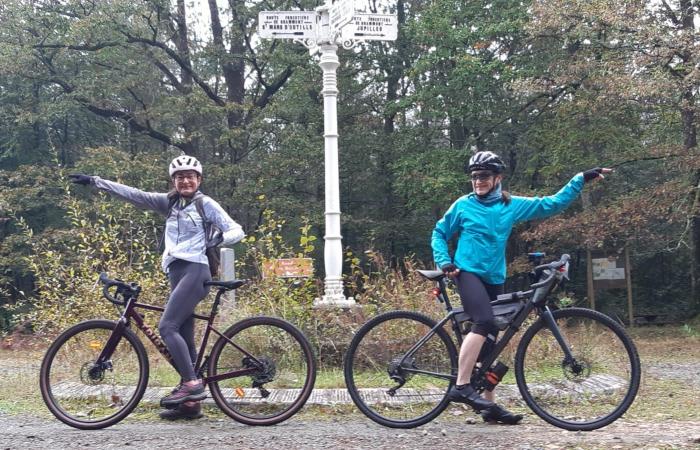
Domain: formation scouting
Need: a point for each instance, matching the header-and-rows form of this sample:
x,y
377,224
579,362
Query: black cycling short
x,y
476,299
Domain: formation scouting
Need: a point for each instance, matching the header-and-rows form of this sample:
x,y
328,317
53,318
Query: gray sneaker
x,y
185,393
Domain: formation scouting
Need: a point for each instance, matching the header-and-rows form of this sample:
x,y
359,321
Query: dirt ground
x,y
666,414
31,432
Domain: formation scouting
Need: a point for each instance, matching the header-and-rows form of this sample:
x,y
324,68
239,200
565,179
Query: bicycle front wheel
x,y
87,396
390,387
589,391
281,371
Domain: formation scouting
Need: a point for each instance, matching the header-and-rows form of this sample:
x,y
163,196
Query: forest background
x,y
118,88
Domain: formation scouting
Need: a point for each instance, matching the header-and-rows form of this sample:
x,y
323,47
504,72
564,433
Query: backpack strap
x,y
199,204
172,200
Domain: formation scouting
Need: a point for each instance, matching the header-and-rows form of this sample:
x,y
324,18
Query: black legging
x,y
476,299
177,324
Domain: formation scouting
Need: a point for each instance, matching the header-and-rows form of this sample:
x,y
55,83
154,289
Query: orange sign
x,y
289,268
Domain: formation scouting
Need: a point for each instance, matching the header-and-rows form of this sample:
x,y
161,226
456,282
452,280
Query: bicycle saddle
x,y
227,285
432,274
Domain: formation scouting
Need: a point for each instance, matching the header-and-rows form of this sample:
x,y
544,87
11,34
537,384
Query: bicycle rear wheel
x,y
591,391
284,377
375,367
83,395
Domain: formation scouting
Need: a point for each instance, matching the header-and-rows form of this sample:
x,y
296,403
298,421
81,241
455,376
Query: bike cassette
x,y
266,370
396,369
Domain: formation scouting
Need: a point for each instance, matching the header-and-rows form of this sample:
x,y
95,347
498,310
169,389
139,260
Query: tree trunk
x,y
695,237
690,137
190,144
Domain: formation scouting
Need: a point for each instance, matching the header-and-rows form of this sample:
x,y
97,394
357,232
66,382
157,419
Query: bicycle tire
x,y
590,393
377,348
289,374
76,396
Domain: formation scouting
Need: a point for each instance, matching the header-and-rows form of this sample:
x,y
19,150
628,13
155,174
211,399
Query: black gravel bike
x,y
260,371
575,368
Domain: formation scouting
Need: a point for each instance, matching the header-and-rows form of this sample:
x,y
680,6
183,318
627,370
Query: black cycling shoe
x,y
501,415
183,412
469,396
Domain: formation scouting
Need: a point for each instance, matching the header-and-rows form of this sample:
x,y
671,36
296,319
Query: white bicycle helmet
x,y
184,162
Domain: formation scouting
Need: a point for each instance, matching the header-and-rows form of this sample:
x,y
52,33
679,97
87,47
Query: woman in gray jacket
x,y
185,262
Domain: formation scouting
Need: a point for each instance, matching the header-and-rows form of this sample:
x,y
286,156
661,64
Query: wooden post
x,y
591,288
628,277
586,201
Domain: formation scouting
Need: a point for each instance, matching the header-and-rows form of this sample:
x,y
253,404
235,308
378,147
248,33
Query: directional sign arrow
x,y
372,27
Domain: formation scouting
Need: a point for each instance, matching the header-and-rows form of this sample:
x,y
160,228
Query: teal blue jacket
x,y
484,229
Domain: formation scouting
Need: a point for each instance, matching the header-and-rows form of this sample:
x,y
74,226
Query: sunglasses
x,y
481,176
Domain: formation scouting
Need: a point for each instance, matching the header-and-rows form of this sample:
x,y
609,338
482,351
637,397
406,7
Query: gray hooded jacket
x,y
184,228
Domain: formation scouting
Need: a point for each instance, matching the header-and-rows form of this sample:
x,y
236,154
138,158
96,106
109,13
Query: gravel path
x,y
352,432
35,433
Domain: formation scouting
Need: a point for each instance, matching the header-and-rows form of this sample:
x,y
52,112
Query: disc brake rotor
x,y
576,370
91,373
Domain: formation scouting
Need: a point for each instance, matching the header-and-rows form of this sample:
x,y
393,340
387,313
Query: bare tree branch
x,y
180,62
669,13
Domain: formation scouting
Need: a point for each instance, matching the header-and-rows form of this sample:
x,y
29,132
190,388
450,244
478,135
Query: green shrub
x,y
108,237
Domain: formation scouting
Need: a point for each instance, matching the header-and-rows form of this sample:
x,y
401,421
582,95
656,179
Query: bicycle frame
x,y
534,299
130,313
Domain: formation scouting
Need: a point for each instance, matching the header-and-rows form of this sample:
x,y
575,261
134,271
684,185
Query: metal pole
x,y
333,249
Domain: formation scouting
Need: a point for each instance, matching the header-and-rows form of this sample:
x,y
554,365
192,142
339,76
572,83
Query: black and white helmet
x,y
184,162
486,161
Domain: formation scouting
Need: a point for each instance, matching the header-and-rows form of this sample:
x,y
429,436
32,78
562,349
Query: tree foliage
x,y
117,88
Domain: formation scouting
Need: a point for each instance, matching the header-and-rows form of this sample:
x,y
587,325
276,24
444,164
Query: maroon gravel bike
x,y
260,371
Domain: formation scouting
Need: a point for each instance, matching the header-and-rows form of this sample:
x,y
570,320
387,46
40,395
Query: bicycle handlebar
x,y
130,288
553,266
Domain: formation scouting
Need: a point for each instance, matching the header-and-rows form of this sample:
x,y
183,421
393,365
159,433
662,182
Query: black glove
x,y
448,268
79,178
591,174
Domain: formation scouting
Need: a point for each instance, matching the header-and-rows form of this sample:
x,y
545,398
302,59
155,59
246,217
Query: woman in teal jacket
x,y
484,220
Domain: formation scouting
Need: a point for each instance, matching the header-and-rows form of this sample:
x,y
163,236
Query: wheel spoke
x,y
592,390
283,377
377,364
84,394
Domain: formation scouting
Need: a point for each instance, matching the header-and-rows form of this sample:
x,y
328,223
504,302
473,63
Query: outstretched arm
x,y
145,200
527,208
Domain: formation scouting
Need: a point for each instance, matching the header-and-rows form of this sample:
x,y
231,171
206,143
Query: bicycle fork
x,y
554,328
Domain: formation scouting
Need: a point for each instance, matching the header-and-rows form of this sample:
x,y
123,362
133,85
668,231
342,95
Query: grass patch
x,y
660,398
669,344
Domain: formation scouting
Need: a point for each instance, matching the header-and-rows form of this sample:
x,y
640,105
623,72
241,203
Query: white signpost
x,y
340,13
335,23
288,24
376,27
